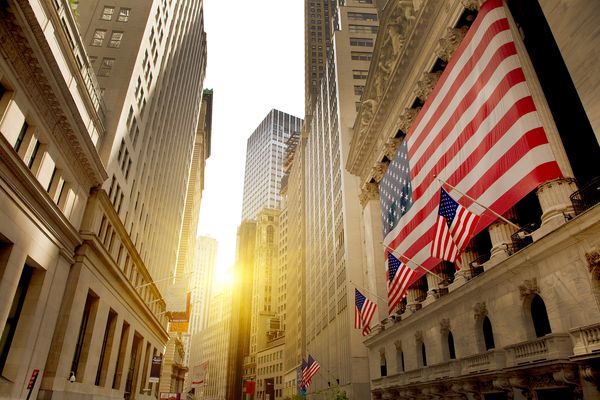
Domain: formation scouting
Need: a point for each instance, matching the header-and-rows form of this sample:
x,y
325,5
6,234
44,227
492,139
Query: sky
x,y
255,63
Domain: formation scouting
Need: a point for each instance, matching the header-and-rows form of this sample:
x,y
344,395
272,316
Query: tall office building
x,y
83,313
264,162
241,313
318,35
215,346
334,253
292,262
150,60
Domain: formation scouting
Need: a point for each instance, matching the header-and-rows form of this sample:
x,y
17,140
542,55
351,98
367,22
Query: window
x,y
124,14
362,28
14,314
539,316
488,334
115,39
451,349
365,42
359,74
106,66
98,39
21,136
358,90
359,16
85,336
423,355
107,13
107,343
361,55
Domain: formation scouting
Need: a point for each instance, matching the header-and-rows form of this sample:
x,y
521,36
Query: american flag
x,y
398,278
364,309
301,385
453,228
478,130
312,367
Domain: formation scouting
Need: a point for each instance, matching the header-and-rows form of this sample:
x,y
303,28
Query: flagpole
x,y
368,291
476,202
414,262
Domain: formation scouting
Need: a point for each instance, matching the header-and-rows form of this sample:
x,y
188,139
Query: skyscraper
x,y
264,162
334,253
150,60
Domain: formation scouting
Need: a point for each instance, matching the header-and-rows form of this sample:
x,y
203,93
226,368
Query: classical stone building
x,y
80,307
521,318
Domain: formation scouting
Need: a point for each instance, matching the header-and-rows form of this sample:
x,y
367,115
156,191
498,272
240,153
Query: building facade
x,y
334,245
517,320
264,162
82,311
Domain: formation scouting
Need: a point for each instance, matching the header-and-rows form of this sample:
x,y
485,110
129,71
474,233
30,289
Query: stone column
x,y
557,208
500,235
374,271
412,295
464,273
433,284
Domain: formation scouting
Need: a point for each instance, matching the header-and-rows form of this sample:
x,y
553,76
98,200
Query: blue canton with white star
x,y
447,207
393,265
360,299
395,190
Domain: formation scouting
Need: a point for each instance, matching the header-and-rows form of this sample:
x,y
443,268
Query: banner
x,y
199,373
180,320
155,369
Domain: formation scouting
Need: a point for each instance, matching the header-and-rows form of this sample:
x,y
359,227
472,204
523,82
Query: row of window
x,y
108,13
100,34
33,152
539,319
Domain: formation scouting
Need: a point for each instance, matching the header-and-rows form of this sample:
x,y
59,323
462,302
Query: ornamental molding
x,y
369,191
391,147
593,260
379,169
529,287
419,336
479,311
444,326
407,118
32,78
449,43
426,84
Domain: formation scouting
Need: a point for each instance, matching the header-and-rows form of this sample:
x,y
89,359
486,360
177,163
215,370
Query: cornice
x,y
93,250
399,74
34,66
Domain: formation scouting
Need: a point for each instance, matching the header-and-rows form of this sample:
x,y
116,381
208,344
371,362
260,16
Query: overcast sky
x,y
255,64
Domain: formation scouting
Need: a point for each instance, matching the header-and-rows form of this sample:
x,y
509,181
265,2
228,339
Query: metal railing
x,y
586,197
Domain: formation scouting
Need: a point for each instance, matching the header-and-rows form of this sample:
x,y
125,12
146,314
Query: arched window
x,y
539,316
451,350
382,362
488,334
423,355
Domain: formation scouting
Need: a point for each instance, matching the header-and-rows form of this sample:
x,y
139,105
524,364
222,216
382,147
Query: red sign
x,y
33,378
249,387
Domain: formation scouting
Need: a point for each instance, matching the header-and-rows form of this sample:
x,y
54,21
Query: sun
x,y
224,278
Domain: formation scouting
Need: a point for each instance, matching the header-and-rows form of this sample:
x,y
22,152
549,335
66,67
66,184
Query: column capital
x,y
369,191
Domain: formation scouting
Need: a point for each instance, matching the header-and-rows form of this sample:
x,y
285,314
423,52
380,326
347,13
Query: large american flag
x,y
478,131
364,309
453,228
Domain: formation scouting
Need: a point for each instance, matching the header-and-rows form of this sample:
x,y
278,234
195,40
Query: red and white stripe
x,y
479,131
448,242
362,318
